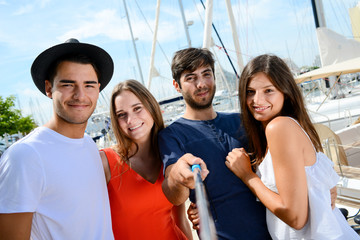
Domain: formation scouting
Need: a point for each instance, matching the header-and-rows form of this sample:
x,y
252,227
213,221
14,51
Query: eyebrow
x,y
72,81
191,74
134,105
264,87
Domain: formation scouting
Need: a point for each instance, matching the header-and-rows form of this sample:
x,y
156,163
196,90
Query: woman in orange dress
x,y
134,170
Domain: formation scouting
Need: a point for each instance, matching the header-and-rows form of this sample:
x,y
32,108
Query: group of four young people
x,y
144,202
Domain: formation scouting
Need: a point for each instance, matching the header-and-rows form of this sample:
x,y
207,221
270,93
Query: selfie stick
x,y
207,226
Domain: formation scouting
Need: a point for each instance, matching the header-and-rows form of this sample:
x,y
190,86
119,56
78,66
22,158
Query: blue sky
x,y
282,27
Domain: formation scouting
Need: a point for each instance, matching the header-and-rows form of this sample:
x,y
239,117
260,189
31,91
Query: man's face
x,y
197,87
75,91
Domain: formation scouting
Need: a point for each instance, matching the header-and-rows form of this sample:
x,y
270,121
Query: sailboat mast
x,y
208,38
185,23
154,43
234,35
318,11
208,24
133,41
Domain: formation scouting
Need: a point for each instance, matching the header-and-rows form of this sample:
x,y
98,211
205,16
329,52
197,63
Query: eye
x,y
250,92
121,115
90,86
137,108
269,90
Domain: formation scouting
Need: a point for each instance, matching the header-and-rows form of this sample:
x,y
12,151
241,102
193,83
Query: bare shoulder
x,y
282,126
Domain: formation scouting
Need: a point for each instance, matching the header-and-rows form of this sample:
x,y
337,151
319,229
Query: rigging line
x,y
142,14
345,9
336,17
222,44
232,50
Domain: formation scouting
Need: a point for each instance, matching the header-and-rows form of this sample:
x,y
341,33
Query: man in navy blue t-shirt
x,y
203,136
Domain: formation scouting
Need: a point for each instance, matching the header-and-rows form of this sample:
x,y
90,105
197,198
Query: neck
x,y
66,129
144,150
199,114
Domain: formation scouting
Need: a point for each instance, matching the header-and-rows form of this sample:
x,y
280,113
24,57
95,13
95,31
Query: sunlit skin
x,y
74,91
198,89
263,99
134,119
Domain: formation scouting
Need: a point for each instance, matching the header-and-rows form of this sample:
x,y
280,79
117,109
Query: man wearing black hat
x,y
52,183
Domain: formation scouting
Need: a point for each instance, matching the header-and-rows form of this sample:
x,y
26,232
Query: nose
x,y
129,118
79,92
258,98
201,82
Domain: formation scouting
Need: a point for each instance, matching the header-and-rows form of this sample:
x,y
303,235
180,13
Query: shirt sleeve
x,y
21,179
170,146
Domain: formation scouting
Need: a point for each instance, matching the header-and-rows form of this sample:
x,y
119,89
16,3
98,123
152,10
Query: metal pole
x,y
185,23
207,226
133,41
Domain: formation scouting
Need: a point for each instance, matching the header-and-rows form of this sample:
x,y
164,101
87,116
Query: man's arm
x,y
179,178
15,226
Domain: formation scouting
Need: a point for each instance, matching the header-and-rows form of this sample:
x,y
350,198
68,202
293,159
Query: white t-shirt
x,y
61,180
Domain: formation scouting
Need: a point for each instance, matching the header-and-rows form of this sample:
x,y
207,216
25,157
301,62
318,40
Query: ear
x,y
48,88
176,86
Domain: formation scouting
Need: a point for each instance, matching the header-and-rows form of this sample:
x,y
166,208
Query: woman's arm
x,y
285,141
181,220
106,166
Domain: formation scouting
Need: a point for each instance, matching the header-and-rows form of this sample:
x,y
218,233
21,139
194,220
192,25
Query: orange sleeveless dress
x,y
139,209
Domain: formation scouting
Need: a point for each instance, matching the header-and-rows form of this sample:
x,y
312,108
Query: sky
x,y
282,27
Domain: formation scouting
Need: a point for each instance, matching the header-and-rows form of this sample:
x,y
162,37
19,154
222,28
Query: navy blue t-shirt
x,y
236,212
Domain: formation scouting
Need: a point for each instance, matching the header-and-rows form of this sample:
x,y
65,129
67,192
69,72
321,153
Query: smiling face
x,y
263,100
74,91
133,118
197,87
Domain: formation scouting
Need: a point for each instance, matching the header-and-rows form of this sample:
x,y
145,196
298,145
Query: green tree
x,y
11,120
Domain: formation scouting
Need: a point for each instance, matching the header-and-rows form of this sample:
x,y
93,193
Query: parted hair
x,y
124,143
189,59
281,77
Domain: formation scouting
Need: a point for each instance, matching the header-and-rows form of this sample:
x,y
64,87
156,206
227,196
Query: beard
x,y
196,104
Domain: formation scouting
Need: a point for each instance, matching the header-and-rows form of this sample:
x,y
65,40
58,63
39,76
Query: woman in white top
x,y
293,177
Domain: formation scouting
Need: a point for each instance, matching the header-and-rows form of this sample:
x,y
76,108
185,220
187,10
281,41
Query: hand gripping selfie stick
x,y
207,226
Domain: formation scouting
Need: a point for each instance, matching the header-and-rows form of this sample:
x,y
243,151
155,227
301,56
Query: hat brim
x,y
100,57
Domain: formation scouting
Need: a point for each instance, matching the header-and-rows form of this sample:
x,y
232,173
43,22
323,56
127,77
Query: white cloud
x,y
24,9
108,23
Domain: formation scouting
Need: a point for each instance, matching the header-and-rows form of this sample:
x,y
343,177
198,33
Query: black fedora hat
x,y
101,59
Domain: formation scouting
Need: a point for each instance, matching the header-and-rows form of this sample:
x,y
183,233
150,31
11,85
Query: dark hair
x,y
190,59
76,58
124,143
281,77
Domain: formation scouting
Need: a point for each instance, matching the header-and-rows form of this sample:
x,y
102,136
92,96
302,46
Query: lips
x,y
136,127
203,93
260,109
78,104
